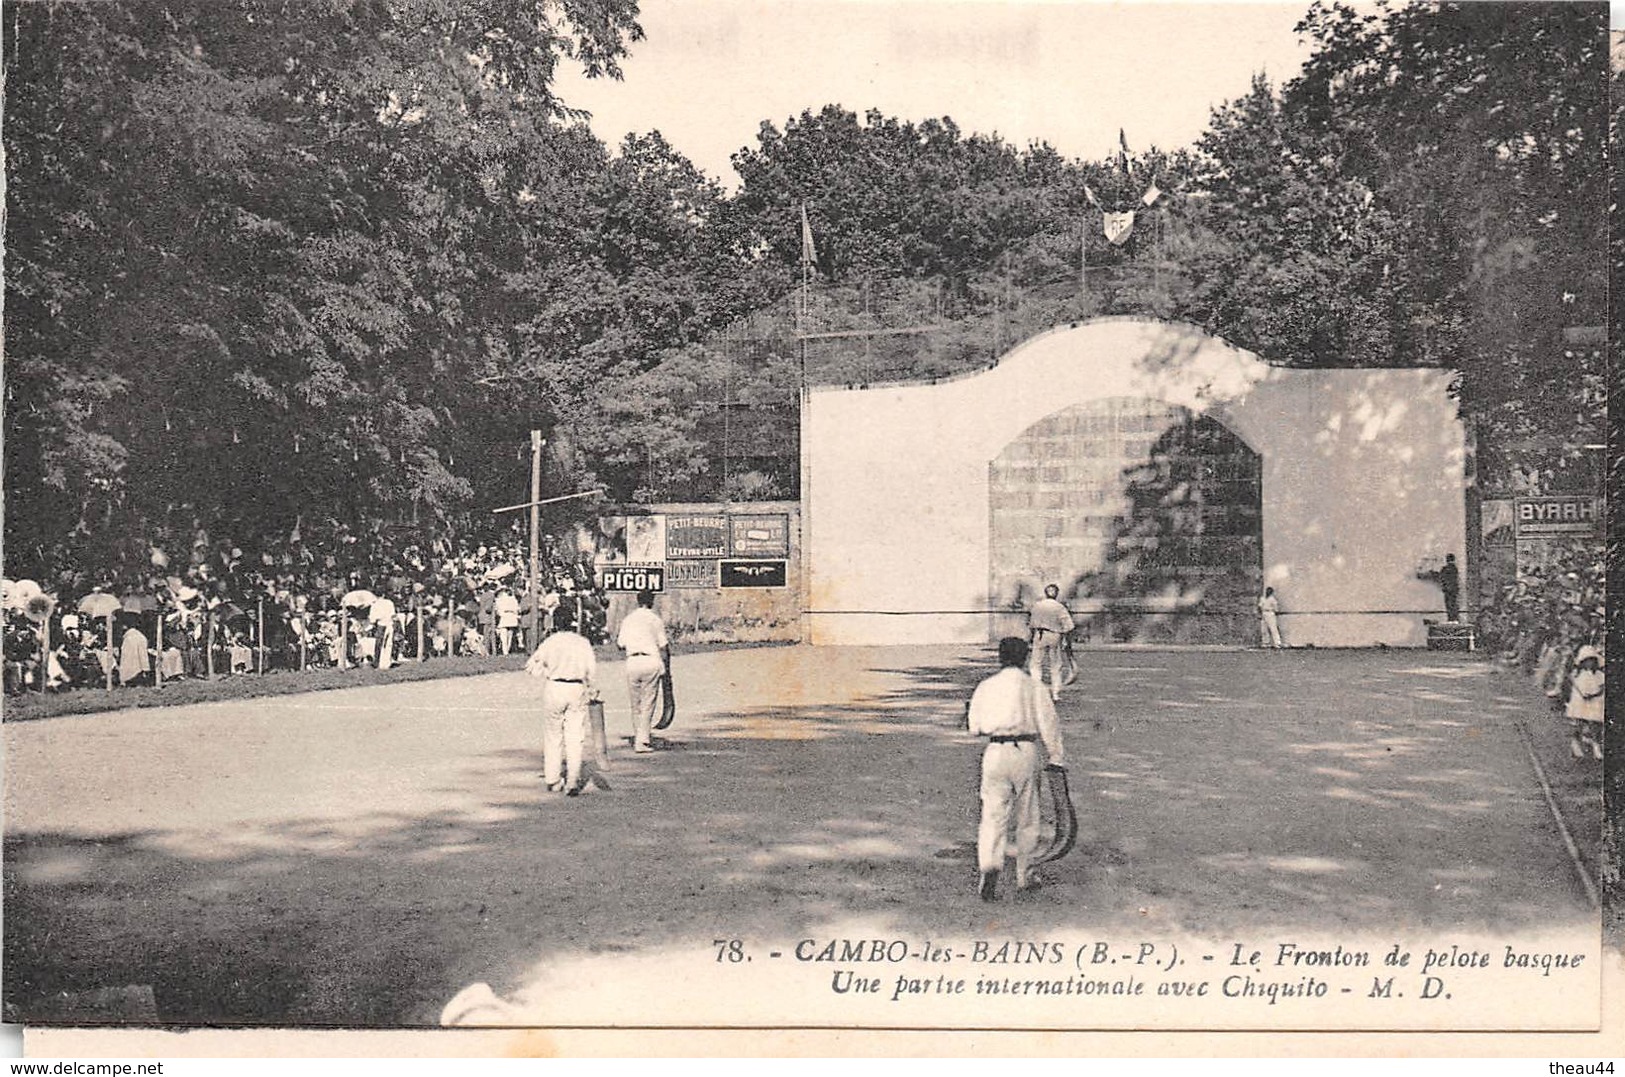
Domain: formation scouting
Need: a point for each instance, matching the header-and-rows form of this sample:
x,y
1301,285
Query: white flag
x,y
809,253
1118,227
1152,193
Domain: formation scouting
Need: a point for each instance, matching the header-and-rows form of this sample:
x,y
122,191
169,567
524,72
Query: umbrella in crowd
x,y
501,572
38,607
19,592
358,600
99,604
139,603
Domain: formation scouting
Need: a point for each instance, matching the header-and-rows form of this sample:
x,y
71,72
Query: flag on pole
x,y
1088,192
1152,193
1122,140
1118,227
809,252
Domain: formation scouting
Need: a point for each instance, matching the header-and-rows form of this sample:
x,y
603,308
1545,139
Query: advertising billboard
x,y
633,577
753,573
759,535
691,574
697,536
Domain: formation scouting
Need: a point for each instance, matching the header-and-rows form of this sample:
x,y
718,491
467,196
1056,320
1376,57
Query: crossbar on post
x,y
547,501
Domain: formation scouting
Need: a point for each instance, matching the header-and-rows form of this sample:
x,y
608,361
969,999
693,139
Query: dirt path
x,y
355,857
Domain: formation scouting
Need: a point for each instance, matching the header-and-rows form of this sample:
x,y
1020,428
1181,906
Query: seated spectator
x,y
134,658
172,662
335,640
21,653
241,654
452,630
56,673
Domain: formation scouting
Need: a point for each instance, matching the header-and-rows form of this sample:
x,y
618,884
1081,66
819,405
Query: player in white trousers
x,y
1269,625
566,665
648,653
1047,625
1012,711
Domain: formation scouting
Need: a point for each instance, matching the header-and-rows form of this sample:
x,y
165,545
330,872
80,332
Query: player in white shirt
x,y
1011,709
648,653
566,663
1048,624
1269,625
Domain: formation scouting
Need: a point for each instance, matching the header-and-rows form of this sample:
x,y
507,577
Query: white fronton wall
x,y
1363,479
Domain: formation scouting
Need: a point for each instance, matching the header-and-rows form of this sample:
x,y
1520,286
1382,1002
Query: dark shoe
x,y
554,787
989,890
574,790
1034,882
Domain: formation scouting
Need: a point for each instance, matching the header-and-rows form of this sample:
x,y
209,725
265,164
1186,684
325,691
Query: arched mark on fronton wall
x,y
1146,515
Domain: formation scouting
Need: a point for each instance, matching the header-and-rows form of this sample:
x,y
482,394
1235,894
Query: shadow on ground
x,y
1217,793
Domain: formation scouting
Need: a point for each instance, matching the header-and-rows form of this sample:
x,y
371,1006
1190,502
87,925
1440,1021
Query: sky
x,y
1068,72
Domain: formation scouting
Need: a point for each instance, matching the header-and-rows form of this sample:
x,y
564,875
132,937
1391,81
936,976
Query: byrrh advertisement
x,y
1034,528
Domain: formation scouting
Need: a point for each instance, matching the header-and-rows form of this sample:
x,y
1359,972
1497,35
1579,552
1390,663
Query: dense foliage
x,y
1431,191
327,261
323,260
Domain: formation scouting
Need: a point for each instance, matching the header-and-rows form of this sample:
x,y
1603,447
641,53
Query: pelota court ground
x,y
356,857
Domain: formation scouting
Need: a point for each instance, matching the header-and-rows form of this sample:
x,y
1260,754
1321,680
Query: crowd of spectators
x,y
311,601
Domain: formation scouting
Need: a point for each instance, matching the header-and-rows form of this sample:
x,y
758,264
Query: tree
x,y
249,260
887,197
1428,192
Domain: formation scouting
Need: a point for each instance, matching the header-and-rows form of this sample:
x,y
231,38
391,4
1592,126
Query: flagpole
x,y
1083,259
801,311
802,477
1156,253
1083,244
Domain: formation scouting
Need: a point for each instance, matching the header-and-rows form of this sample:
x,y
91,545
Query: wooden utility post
x,y
536,444
535,506
417,619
